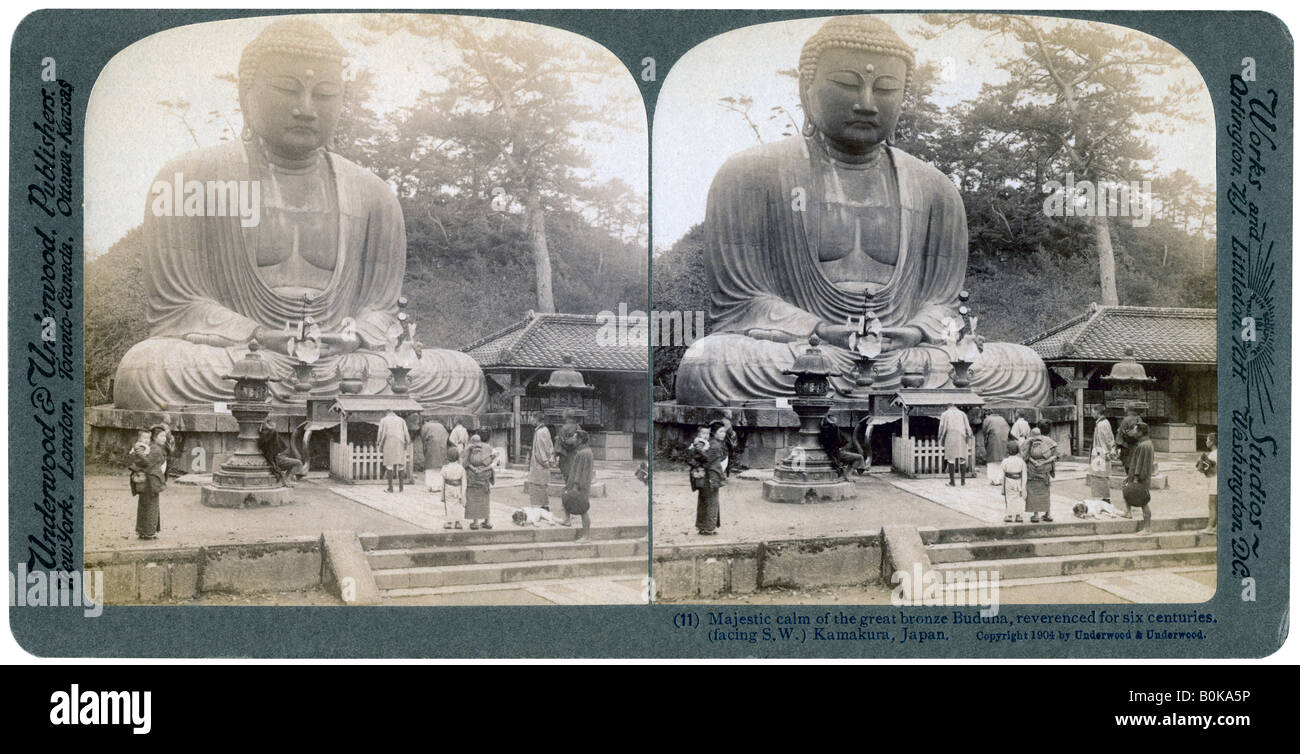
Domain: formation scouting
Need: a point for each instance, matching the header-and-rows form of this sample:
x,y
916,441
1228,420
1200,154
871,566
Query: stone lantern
x,y
565,388
806,474
1128,381
245,479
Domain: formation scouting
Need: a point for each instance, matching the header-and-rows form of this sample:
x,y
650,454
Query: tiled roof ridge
x,y
529,321
1096,310
1063,326
1162,311
513,326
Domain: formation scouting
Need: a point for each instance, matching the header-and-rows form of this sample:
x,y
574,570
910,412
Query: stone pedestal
x,y
775,491
806,474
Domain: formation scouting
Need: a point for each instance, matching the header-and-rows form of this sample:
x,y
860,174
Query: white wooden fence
x,y
918,457
361,463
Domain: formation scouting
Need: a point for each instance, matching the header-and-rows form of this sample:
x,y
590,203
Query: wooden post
x,y
905,413
515,417
1078,421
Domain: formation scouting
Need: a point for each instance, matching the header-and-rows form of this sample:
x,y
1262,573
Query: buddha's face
x,y
294,103
856,97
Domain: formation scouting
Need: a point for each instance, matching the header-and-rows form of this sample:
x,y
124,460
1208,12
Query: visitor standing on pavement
x,y
148,480
453,485
1020,431
955,436
394,441
433,438
1103,449
1040,466
1141,467
996,433
480,475
459,438
1013,483
540,461
710,458
1126,438
577,484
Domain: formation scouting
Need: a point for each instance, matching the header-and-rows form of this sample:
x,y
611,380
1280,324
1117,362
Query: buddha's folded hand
x,y
275,340
898,338
836,335
332,344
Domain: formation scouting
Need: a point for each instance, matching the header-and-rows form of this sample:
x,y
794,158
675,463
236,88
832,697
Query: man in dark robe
x,y
1141,467
996,433
433,440
843,459
277,454
566,443
577,484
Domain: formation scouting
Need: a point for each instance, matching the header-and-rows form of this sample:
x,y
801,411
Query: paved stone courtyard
x,y
887,498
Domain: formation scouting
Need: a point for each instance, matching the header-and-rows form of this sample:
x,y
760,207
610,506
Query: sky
x,y
693,135
129,136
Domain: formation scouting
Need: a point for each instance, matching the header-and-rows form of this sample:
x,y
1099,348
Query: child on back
x,y
453,484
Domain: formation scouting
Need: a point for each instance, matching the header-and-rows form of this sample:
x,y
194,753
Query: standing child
x,y
453,483
1013,483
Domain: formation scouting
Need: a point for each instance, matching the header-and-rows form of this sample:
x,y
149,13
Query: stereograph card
x,y
597,333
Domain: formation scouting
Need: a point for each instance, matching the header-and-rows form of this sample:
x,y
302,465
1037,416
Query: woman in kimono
x,y
148,479
1013,483
480,474
1040,463
711,458
577,484
539,468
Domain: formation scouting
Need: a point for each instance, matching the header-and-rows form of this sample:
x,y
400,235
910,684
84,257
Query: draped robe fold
x,y
769,291
203,285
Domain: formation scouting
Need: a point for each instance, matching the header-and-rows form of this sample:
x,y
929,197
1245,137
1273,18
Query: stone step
x,y
412,557
1002,549
497,573
1065,565
611,590
504,532
931,536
